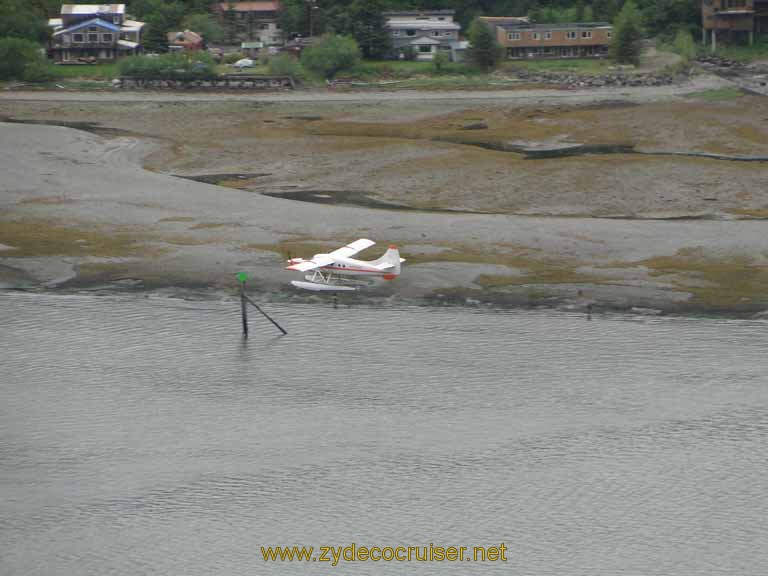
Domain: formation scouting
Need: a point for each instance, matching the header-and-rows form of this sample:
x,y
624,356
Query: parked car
x,y
243,63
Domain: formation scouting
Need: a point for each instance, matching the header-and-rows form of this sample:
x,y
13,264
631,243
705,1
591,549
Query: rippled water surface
x,y
142,436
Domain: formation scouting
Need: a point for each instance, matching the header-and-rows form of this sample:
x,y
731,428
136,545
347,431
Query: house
x,y
89,32
521,39
424,32
253,21
734,19
185,40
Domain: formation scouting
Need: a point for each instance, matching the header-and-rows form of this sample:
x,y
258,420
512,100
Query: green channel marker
x,y
241,276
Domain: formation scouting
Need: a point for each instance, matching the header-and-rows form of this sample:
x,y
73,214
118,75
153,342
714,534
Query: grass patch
x,y
88,71
759,50
717,94
733,283
41,238
577,65
756,213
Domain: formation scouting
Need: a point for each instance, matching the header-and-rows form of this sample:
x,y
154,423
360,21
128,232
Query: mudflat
x,y
627,199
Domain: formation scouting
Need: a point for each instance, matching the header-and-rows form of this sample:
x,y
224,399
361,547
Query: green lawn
x,y
90,71
717,94
758,51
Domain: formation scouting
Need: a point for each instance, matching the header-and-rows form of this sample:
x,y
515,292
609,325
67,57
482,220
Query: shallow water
x,y
143,436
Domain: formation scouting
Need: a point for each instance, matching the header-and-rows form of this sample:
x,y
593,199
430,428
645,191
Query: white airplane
x,y
329,270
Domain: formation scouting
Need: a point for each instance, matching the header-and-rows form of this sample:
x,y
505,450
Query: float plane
x,y
331,272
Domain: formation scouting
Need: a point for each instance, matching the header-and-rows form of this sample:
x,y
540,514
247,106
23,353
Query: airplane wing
x,y
352,248
318,262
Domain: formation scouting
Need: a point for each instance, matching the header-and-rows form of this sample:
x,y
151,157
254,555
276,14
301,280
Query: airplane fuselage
x,y
352,267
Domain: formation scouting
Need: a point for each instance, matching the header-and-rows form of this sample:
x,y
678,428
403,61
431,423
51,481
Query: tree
x,y
205,25
579,10
21,20
231,28
605,10
369,29
627,35
21,59
484,50
155,39
685,44
331,54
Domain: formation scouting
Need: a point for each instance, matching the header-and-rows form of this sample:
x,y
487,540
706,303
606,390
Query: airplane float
x,y
330,271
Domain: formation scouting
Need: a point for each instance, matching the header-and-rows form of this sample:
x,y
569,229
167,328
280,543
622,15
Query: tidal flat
x,y
154,193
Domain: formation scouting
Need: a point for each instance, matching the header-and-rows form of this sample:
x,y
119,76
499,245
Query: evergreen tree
x,y
627,35
155,37
19,19
369,30
231,28
484,50
605,10
579,10
535,14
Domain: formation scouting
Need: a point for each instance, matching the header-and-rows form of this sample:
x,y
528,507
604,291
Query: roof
x,y
93,8
251,45
126,45
250,6
185,37
54,22
92,22
423,25
419,13
564,26
423,40
132,25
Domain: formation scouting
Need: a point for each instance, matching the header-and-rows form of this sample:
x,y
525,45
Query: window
x,y
77,38
609,34
586,34
536,36
395,32
263,26
93,37
411,32
735,4
547,35
436,33
570,35
514,35
106,37
447,33
426,48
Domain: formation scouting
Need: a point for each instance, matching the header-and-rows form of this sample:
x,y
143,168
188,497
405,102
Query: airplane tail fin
x,y
390,262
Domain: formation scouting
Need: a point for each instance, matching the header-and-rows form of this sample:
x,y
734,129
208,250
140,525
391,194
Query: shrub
x,y
330,55
22,59
177,66
231,57
409,53
284,65
440,61
685,45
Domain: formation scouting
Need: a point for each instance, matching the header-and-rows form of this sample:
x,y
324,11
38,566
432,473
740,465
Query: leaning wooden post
x,y
242,277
